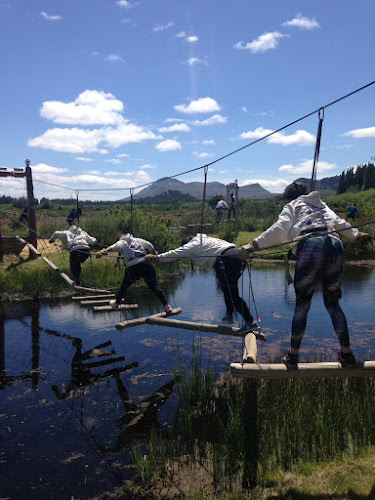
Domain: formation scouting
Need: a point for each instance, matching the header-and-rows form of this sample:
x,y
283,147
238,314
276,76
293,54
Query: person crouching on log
x,y
78,243
228,265
309,221
133,251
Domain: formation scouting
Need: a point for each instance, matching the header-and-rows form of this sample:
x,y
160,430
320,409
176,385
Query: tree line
x,y
358,178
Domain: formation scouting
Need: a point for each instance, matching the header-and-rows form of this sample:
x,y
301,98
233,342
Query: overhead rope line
x,y
319,110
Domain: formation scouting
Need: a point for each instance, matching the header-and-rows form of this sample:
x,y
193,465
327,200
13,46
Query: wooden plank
x,y
304,370
142,321
250,349
201,327
50,264
122,307
93,297
66,278
98,302
86,289
34,250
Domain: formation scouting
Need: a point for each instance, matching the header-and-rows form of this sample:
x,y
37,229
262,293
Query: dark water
x,y
69,411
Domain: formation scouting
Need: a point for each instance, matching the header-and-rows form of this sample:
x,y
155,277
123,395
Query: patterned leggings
x,y
319,257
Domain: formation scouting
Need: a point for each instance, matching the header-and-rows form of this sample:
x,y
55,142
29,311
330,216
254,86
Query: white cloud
x,y
213,120
125,134
126,20
114,58
42,168
163,27
305,167
92,107
264,42
114,161
177,127
202,155
181,34
274,185
168,145
301,137
360,133
209,142
193,61
302,22
123,155
72,140
201,105
174,120
47,17
192,39
244,109
83,158
124,3
147,166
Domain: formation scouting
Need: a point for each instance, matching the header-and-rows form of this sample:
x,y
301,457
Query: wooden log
x,y
86,289
250,350
201,327
142,321
304,370
122,307
98,302
33,250
66,278
50,264
93,297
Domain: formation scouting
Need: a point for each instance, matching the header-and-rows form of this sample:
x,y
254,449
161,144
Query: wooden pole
x,y
122,307
31,218
100,302
142,321
50,264
304,370
93,297
250,350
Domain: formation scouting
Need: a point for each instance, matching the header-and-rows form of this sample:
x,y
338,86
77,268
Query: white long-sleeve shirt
x,y
132,248
202,248
74,238
303,214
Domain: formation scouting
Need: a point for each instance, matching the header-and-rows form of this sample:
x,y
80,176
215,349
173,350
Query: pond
x,y
76,392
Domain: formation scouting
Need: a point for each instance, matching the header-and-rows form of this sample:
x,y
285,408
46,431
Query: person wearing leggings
x,y
133,251
311,225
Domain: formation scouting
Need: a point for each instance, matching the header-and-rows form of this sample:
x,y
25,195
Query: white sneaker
x,y
113,304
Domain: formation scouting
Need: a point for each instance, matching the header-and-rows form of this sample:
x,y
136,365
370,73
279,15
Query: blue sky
x,y
119,93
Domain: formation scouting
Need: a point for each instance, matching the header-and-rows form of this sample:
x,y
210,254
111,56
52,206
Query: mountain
x,y
326,186
195,189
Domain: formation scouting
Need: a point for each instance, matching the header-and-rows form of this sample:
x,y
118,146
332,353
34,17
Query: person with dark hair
x,y
232,206
228,265
133,251
352,211
309,221
74,214
78,242
220,206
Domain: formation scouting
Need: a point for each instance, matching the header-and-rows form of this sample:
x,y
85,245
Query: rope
x,y
317,150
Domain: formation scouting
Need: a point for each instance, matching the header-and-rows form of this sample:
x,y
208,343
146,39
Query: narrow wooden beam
x,y
304,370
50,264
250,349
93,297
34,250
66,278
201,327
85,289
143,320
98,302
122,307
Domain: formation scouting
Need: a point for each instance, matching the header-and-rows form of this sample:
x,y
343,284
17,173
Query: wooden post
x,y
30,206
250,350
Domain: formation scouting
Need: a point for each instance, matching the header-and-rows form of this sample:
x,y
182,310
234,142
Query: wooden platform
x,y
12,244
304,370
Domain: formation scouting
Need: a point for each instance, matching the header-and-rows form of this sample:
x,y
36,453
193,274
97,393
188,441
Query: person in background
x,y
228,265
309,221
74,214
232,206
352,211
133,251
78,243
220,206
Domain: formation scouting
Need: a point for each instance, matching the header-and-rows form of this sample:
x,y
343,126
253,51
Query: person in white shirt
x,y
133,251
228,265
78,243
220,206
319,251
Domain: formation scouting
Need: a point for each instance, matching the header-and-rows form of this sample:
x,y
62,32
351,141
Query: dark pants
x,y
78,257
229,268
143,270
319,257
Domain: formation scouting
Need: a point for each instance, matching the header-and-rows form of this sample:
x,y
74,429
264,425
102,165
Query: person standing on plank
x,y
133,251
78,243
228,265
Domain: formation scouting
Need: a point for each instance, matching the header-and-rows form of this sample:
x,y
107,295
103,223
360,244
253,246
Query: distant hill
x,y
195,189
326,186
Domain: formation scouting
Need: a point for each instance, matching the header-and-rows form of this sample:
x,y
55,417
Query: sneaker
x,y
291,360
114,304
346,359
228,318
249,327
75,283
168,309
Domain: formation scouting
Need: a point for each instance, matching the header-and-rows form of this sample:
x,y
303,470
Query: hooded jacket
x,y
132,248
203,248
305,213
75,238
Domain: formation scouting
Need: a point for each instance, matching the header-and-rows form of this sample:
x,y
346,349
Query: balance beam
x,y
143,320
201,327
98,302
304,370
85,289
93,297
122,307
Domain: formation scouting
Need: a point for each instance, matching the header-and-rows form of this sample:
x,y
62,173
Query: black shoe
x,y
291,360
346,359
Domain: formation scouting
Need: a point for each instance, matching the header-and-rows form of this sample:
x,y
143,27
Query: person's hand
x,y
100,253
151,258
363,238
245,250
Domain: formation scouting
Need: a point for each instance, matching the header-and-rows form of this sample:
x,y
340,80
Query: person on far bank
x,y
133,251
220,206
78,243
352,211
232,206
228,266
309,221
